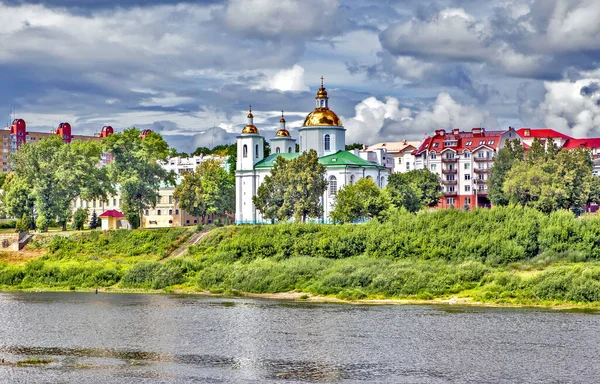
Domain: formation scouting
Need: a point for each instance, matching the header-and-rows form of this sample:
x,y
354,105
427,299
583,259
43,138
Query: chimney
x,y
455,131
477,131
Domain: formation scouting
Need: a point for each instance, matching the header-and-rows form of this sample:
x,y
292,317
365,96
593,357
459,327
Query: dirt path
x,y
193,240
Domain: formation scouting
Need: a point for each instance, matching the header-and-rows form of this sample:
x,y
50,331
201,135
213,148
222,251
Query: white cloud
x,y
377,120
289,80
572,107
282,17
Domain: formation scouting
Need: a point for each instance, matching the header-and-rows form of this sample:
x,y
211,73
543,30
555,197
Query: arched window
x,y
327,141
277,150
245,151
289,149
382,182
332,186
351,179
256,151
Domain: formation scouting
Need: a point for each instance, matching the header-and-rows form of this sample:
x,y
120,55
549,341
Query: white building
x,y
181,165
322,131
398,155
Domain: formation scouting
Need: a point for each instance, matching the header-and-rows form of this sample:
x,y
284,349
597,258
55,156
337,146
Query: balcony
x,y
450,194
449,182
481,159
451,160
482,170
449,171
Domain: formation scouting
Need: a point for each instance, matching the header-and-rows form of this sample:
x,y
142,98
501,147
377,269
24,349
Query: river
x,y
139,338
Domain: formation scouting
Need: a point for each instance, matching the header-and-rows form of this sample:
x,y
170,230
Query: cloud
x,y
377,120
572,107
285,80
282,18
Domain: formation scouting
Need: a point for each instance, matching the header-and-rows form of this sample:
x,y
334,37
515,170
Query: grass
x,y
33,361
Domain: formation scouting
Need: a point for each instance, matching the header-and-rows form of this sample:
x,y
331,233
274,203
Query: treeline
x,y
48,175
505,254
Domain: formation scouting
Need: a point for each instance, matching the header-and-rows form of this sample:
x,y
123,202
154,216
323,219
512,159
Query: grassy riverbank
x,y
504,255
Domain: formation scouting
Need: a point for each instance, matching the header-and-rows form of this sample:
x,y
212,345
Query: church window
x,y
382,182
351,179
289,149
332,186
277,150
245,151
327,142
256,151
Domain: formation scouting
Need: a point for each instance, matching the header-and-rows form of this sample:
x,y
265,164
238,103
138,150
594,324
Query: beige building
x,y
398,154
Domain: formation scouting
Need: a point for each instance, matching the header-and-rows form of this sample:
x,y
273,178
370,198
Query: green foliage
x,y
507,156
136,171
363,200
24,224
50,174
93,224
79,218
352,146
206,190
414,189
293,189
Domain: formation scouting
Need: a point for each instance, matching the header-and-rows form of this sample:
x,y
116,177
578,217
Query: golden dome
x,y
282,133
322,117
250,129
322,93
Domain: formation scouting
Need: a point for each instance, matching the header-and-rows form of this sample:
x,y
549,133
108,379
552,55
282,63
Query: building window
x,y
195,221
467,177
467,154
93,203
289,149
187,221
491,142
170,199
177,211
382,181
450,201
170,211
449,155
468,143
408,165
435,145
256,149
114,202
277,150
146,212
467,201
467,188
327,141
467,166
158,212
245,151
450,178
351,179
433,167
332,186
432,156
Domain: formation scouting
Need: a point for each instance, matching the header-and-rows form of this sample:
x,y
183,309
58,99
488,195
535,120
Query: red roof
x,y
113,213
582,143
461,140
542,133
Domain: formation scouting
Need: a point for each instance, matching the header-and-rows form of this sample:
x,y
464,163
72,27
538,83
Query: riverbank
x,y
509,257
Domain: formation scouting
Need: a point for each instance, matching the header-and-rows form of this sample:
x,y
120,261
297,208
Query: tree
x,y
54,174
207,190
93,224
79,218
425,185
363,200
350,147
507,156
135,170
17,196
24,224
294,188
201,151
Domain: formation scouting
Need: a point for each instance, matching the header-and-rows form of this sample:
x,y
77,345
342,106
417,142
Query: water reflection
x,y
108,338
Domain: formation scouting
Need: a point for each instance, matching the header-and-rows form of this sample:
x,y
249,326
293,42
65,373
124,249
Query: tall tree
x,y
425,184
507,156
294,188
362,200
56,173
135,170
207,190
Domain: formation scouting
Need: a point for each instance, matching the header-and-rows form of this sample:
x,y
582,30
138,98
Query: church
x,y
322,131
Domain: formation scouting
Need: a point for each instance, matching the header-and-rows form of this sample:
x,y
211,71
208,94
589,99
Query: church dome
x,y
322,116
250,129
282,133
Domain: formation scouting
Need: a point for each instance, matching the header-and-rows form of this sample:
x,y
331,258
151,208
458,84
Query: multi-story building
x,y
462,160
398,155
180,165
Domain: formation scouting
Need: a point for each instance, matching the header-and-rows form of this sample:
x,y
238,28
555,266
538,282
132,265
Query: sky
x,y
394,70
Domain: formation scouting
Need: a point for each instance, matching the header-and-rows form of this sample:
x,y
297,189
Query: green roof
x,y
340,158
345,158
269,161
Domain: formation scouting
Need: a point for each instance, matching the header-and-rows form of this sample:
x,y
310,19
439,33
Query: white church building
x,y
322,131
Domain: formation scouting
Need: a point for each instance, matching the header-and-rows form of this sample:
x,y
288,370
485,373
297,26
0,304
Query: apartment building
x,y
398,155
462,160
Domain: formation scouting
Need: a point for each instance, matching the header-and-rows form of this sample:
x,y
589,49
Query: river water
x,y
123,338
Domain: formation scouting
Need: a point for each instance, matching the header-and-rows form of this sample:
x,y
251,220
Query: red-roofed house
x,y
112,219
462,160
528,134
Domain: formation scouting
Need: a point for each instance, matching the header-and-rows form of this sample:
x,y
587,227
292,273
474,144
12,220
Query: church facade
x,y
321,131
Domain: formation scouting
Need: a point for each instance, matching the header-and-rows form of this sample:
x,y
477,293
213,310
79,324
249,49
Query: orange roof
x,y
113,213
